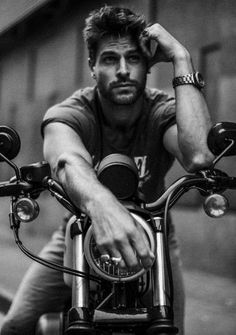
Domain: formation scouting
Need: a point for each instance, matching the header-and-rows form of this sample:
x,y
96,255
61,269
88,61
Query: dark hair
x,y
111,21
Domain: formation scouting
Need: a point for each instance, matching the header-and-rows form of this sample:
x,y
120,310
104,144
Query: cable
x,y
49,264
165,233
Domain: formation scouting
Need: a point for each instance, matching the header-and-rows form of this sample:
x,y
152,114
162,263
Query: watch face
x,y
199,80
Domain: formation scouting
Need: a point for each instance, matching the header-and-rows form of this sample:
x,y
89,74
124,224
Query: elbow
x,y
199,162
70,160
63,160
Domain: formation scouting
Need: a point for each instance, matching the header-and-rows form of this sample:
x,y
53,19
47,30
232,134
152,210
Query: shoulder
x,y
84,96
81,100
77,111
155,97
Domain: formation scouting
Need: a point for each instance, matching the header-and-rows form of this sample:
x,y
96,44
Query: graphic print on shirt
x,y
144,173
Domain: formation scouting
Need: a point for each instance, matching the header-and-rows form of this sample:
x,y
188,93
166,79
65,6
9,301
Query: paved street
x,y
211,300
211,304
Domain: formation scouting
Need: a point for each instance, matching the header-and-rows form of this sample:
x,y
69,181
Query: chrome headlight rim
x,y
111,277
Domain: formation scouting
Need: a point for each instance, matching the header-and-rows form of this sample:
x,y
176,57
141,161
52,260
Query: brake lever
x,y
59,193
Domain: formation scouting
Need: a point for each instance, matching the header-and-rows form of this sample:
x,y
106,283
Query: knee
x,y
11,327
8,328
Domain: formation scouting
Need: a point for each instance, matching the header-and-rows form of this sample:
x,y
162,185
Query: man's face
x,y
120,70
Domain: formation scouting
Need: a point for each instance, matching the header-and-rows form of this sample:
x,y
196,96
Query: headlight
x,y
26,209
109,270
216,205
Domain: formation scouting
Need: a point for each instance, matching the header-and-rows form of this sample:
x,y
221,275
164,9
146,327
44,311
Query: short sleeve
x,y
76,112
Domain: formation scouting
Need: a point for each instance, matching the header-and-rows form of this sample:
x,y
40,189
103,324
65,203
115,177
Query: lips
x,y
121,85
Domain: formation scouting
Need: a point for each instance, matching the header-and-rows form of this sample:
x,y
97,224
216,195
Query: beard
x,y
122,95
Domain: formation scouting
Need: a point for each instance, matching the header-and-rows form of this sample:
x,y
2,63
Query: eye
x,y
135,58
109,60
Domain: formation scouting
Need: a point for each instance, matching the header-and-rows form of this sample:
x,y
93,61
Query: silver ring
x,y
116,260
105,258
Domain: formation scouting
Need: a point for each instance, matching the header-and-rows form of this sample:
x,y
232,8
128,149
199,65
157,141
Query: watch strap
x,y
190,78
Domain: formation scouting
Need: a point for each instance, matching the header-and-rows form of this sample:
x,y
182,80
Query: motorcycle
x,y
105,298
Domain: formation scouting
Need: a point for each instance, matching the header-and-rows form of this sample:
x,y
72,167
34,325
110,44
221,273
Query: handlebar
x,y
207,181
33,179
16,188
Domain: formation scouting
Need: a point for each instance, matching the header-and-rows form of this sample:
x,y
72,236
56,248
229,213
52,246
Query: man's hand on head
x,y
160,46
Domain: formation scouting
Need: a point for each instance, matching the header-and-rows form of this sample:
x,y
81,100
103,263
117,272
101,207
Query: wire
x,y
166,244
171,200
49,264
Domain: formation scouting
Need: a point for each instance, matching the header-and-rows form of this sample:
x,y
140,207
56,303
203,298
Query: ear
x,y
91,65
93,75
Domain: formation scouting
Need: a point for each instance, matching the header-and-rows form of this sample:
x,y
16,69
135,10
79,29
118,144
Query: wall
x,y
47,62
17,10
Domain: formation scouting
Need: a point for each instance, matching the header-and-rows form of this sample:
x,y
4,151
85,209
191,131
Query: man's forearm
x,y
115,231
193,119
80,181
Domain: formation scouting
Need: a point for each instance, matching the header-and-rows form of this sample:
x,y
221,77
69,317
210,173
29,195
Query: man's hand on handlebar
x,y
117,234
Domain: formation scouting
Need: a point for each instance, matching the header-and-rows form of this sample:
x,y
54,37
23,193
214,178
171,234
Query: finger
x,y
108,251
117,260
150,48
141,245
104,253
153,47
155,52
145,45
129,255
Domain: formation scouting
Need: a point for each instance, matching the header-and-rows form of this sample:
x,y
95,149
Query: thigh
x,y
178,284
42,290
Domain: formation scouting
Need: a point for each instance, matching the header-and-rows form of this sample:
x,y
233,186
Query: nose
x,y
123,69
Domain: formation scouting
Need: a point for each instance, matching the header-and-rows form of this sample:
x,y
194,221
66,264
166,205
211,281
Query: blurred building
x,y
43,60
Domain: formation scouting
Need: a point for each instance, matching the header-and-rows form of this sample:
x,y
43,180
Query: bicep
x,y
60,138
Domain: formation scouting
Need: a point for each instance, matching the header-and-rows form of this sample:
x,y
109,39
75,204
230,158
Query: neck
x,y
120,116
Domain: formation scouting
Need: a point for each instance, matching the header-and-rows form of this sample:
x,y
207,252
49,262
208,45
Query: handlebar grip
x,y
56,187
8,189
58,191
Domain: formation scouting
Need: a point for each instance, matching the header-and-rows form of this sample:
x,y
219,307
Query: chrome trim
x,y
112,272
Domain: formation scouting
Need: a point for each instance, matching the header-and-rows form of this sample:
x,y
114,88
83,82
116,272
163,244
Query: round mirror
x,y
9,142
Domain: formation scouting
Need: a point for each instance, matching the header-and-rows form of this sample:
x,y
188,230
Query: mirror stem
x,y
223,152
13,165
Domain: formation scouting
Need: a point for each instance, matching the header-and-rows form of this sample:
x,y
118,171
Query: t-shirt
x,y
82,111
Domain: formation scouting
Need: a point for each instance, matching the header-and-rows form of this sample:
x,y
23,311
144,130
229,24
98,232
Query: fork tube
x,y
80,286
162,321
79,316
161,294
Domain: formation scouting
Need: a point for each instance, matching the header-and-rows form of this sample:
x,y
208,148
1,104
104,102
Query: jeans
x,y
42,290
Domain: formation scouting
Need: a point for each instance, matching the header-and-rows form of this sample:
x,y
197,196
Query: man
x,y
118,115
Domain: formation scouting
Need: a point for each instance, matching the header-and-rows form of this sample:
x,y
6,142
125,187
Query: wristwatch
x,y
195,79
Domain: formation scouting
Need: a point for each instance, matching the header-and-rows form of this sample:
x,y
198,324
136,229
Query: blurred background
x,y
43,60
